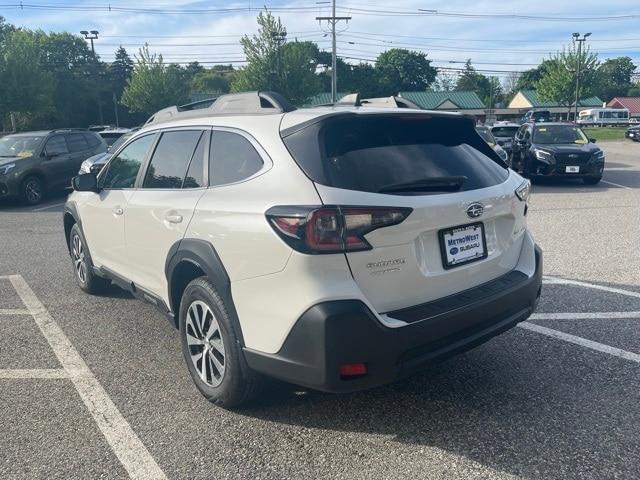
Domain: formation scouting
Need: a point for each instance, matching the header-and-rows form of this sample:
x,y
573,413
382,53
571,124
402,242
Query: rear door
x,y
79,150
160,210
452,240
56,161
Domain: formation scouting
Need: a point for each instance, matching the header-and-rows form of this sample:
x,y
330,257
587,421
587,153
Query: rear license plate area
x,y
462,244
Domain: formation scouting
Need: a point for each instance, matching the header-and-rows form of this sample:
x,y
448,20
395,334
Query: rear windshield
x,y
504,131
486,135
372,151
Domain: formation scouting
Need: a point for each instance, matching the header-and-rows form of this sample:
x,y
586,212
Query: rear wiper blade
x,y
435,184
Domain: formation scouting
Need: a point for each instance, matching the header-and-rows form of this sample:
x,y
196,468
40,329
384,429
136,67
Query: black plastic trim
x,y
203,255
334,333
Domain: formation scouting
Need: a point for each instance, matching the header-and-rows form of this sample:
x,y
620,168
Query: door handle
x,y
173,218
118,211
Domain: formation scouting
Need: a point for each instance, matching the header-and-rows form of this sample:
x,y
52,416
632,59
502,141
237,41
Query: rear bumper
x,y
339,332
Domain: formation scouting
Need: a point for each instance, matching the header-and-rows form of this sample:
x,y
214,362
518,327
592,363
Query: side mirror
x,y
592,140
87,182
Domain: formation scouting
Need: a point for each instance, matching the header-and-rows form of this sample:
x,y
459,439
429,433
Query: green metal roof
x,y
431,100
535,101
323,98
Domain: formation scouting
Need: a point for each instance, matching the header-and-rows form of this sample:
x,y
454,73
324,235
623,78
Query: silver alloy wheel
x,y
33,190
206,346
79,262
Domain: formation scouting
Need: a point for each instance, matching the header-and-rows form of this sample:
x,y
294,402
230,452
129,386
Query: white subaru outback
x,y
337,248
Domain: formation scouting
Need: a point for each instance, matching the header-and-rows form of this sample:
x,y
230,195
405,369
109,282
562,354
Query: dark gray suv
x,y
33,163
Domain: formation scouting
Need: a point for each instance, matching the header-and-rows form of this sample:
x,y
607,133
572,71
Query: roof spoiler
x,y
255,103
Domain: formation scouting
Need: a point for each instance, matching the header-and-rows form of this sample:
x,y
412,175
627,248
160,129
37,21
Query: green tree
x,y
289,68
120,70
445,81
614,77
26,88
558,83
471,80
212,81
528,80
153,85
402,69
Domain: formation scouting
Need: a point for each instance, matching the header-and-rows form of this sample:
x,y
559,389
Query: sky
x,y
209,31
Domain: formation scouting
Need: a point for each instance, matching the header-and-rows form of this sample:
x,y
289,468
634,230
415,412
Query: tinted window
x,y
171,158
123,170
504,131
76,142
92,140
232,158
195,174
369,152
56,146
486,135
559,134
19,145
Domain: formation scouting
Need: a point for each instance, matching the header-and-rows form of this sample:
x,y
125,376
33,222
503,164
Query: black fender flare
x,y
203,255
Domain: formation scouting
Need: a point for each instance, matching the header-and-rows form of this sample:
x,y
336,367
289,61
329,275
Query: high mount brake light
x,y
331,229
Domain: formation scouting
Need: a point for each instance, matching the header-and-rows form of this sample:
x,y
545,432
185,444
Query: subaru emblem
x,y
475,210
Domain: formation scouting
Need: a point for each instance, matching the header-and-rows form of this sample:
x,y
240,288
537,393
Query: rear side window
x,y
123,169
367,152
232,158
171,159
56,146
92,140
76,142
504,131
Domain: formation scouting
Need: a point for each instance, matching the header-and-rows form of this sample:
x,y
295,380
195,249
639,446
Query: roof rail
x,y
351,100
230,104
390,102
75,129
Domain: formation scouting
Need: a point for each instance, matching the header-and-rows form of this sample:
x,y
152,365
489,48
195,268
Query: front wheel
x,y
32,190
592,180
211,347
88,281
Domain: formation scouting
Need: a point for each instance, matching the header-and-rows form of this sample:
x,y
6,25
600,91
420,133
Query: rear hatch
x,y
462,225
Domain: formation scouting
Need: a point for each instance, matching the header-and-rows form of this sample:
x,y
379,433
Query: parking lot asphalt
x,y
96,387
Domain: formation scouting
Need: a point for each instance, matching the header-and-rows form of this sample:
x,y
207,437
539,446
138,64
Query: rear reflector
x,y
351,370
331,229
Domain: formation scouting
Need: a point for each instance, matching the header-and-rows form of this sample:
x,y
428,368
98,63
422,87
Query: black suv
x,y
33,163
556,149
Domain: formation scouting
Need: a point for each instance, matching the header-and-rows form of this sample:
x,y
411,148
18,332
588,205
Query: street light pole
x,y
93,35
576,38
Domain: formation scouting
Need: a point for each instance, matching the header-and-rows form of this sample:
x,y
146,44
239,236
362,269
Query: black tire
x,y
237,384
592,180
88,281
32,190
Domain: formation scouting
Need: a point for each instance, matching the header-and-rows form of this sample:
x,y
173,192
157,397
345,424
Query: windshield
x,y
371,153
486,136
19,145
558,134
504,131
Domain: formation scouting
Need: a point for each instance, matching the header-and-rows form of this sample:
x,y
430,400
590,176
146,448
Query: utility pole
x,y
332,21
576,38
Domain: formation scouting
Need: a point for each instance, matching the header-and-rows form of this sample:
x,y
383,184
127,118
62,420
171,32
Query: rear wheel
x,y
32,190
88,281
211,347
592,180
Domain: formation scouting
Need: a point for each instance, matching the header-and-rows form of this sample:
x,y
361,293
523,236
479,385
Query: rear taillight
x,y
331,229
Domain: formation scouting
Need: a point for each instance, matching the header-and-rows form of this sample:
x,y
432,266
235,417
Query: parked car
x,y
633,133
504,133
557,149
537,116
486,135
334,248
96,162
33,163
110,135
